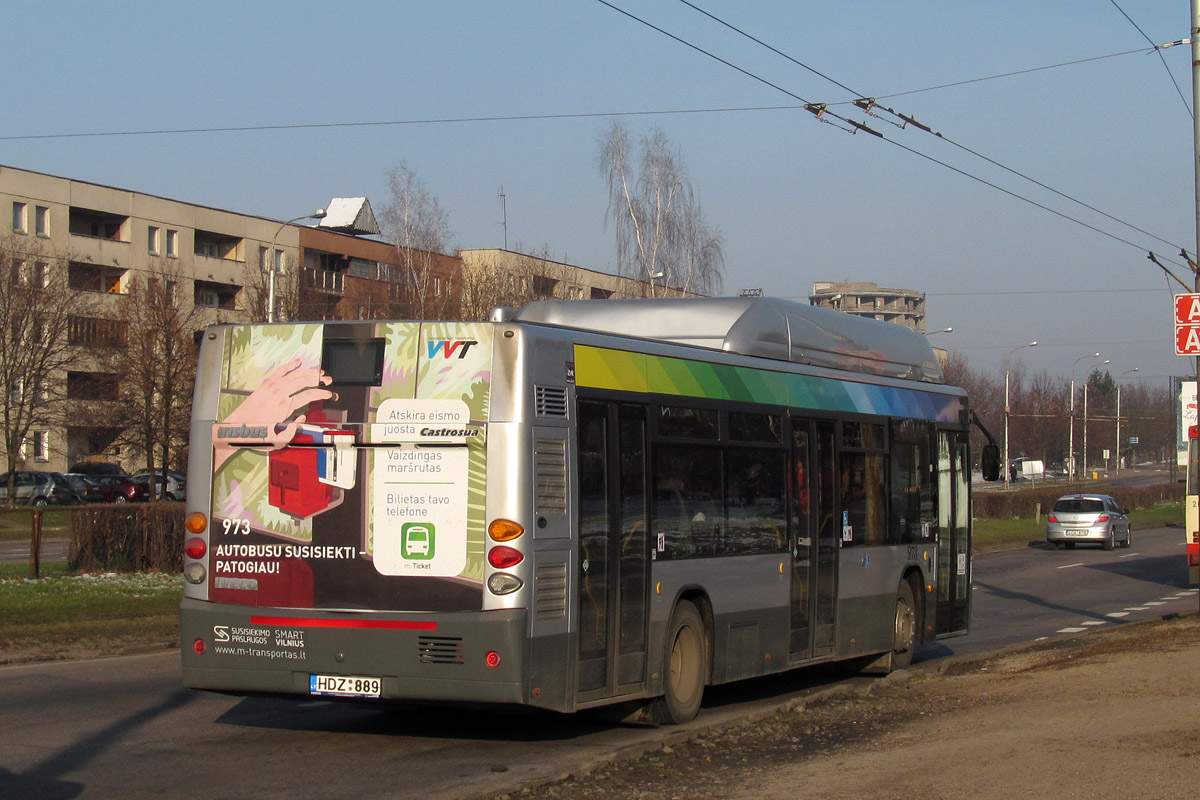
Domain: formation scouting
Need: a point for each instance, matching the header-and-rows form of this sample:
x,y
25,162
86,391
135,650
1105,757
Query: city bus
x,y
579,504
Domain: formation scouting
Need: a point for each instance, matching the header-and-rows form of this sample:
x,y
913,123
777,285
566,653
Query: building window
x,y
41,445
172,243
96,332
99,224
152,235
92,386
215,295
39,278
19,218
94,278
41,221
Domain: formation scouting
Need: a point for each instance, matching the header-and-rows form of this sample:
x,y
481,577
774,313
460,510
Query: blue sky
x,y
796,200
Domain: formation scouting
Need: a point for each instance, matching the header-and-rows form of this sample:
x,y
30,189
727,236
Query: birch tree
x,y
419,228
662,236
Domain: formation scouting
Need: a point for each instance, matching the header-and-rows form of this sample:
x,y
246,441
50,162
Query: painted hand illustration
x,y
265,416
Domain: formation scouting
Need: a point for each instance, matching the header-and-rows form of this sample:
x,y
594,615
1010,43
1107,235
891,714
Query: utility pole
x,y
1195,29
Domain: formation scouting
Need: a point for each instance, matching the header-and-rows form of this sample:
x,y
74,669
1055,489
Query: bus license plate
x,y
344,685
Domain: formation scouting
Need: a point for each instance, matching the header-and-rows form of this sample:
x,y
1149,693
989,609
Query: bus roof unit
x,y
755,326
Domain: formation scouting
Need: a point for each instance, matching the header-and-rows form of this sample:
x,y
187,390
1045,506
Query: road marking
x,y
1071,630
1068,566
1095,622
1130,555
1155,603
1137,608
1118,614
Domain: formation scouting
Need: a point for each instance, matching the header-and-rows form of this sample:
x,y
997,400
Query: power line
x,y
1158,52
868,105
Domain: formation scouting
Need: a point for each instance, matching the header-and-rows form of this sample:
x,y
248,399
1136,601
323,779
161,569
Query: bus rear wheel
x,y
685,668
905,637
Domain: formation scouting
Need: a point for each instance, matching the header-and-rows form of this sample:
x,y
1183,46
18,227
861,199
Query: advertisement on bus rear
x,y
348,466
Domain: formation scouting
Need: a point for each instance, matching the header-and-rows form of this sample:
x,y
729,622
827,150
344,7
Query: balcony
x,y
323,280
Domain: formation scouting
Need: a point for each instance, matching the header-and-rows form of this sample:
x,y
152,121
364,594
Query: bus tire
x,y
904,640
686,666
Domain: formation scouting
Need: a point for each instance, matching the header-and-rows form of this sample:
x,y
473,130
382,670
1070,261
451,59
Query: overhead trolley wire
x,y
867,104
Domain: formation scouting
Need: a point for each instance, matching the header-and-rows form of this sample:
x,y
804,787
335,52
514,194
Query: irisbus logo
x,y
448,347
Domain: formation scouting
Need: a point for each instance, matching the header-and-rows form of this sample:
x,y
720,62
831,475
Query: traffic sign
x,y
1187,340
1187,309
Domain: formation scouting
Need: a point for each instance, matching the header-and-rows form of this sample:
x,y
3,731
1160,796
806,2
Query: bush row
x,y
127,538
1024,503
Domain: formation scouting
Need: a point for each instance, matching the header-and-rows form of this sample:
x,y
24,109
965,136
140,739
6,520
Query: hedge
x,y
127,538
1024,503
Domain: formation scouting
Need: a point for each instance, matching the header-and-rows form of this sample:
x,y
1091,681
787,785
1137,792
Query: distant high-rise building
x,y
866,299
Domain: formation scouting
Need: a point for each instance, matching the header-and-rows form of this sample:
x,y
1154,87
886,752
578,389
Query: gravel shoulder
x,y
1112,714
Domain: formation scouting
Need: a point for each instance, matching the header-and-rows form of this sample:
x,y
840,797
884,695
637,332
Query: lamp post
x,y
318,214
1007,359
1071,435
943,330
1085,406
1117,450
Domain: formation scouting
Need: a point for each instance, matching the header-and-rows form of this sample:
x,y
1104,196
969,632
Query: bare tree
x,y
158,366
37,307
415,223
256,291
662,236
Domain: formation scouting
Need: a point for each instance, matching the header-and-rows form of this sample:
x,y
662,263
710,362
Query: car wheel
x,y
687,661
1128,538
1110,542
40,502
120,499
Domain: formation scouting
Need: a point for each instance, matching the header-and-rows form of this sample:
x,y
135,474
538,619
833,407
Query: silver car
x,y
1095,518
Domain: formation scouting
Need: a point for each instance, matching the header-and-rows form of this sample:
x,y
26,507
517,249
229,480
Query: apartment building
x,y
866,299
216,261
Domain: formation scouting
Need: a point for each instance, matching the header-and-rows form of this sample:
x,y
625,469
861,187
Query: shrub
x,y
1010,505
127,538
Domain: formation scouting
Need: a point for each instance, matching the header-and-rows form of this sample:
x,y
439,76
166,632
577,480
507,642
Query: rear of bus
x,y
336,519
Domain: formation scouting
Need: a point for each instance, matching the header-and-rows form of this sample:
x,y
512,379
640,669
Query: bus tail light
x,y
504,530
195,573
492,659
502,557
196,522
198,647
503,583
195,548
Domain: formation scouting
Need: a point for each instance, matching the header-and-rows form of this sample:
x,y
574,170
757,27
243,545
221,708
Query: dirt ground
x,y
1113,714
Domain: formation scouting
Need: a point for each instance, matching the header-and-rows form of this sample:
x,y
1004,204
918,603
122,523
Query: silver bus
x,y
578,504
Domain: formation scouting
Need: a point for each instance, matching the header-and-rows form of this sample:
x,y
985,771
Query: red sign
x,y
1187,309
1187,340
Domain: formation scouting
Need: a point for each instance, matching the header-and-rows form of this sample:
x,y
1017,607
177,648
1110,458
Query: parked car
x,y
83,488
1095,518
121,488
176,485
95,468
35,488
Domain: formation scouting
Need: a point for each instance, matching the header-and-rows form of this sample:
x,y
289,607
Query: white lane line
x,y
1130,555
1155,603
1068,566
1137,608
1095,622
1118,614
1071,630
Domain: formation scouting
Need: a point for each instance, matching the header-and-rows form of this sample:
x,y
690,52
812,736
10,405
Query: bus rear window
x,y
353,362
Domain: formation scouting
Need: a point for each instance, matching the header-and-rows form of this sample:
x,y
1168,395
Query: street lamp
x,y
1007,359
318,214
1117,451
1085,401
1071,435
944,330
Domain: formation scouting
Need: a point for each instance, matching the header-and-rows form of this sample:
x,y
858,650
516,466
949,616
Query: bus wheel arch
x,y
908,628
687,662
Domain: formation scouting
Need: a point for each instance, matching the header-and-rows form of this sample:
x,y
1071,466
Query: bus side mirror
x,y
989,462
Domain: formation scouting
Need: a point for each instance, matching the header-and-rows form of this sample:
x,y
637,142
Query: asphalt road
x,y
124,727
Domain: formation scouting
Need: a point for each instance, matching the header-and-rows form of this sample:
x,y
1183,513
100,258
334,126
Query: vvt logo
x,y
448,347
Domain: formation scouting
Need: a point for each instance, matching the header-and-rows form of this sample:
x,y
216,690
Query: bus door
x,y
814,539
613,558
954,551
